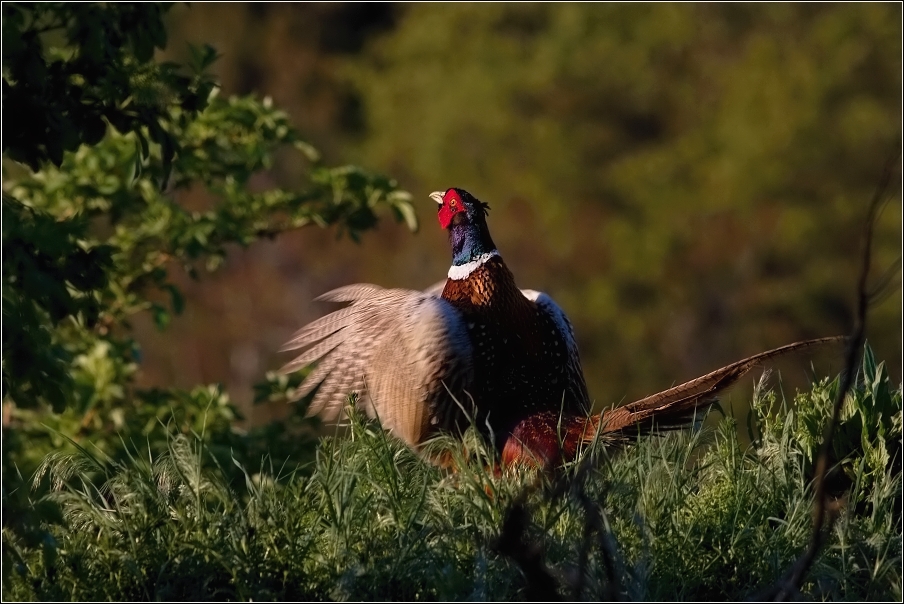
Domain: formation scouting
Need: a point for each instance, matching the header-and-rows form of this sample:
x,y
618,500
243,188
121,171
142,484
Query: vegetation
x,y
127,176
373,520
95,226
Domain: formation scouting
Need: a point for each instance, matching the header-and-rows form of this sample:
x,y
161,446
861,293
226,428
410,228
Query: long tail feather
x,y
675,406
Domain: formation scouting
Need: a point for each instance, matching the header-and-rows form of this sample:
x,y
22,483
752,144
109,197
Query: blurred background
x,y
689,182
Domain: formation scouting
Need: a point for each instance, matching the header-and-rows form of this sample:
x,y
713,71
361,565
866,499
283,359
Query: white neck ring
x,y
463,271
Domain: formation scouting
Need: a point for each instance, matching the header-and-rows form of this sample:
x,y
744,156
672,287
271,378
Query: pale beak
x,y
437,196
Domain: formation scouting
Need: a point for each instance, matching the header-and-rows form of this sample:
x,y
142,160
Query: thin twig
x,y
596,520
513,542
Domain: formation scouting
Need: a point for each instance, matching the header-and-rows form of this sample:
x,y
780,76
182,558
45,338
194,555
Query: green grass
x,y
690,515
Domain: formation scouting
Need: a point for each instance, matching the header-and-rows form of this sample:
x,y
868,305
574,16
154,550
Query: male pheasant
x,y
425,361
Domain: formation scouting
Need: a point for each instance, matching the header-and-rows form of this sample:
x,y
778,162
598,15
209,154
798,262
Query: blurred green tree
x,y
688,181
100,143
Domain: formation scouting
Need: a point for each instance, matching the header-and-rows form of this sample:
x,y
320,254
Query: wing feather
x,y
319,329
574,373
402,351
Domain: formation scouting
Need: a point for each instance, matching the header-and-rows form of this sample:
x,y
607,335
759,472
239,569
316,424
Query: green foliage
x,y
139,229
47,278
65,94
867,440
87,241
373,520
99,219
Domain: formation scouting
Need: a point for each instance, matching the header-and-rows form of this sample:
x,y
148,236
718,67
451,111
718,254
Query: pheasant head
x,y
465,217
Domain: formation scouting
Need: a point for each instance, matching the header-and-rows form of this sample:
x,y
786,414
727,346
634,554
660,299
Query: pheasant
x,y
480,350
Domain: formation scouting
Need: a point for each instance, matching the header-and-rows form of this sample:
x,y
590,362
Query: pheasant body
x,y
482,350
525,359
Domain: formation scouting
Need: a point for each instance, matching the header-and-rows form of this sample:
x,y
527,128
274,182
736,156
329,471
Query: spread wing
x,y
574,373
404,352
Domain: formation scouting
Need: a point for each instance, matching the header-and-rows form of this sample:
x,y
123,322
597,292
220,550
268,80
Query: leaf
x,y
143,144
405,211
869,364
178,302
161,316
202,57
308,150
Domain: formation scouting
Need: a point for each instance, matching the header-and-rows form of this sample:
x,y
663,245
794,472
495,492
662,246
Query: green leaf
x,y
869,364
161,316
405,211
178,302
308,150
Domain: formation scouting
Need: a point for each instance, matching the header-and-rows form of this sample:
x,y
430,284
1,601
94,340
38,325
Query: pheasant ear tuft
x,y
475,203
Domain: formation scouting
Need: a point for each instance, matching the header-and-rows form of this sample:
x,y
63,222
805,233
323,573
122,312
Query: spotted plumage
x,y
477,349
525,357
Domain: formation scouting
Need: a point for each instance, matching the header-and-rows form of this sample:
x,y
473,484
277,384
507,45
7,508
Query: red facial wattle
x,y
451,206
445,216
